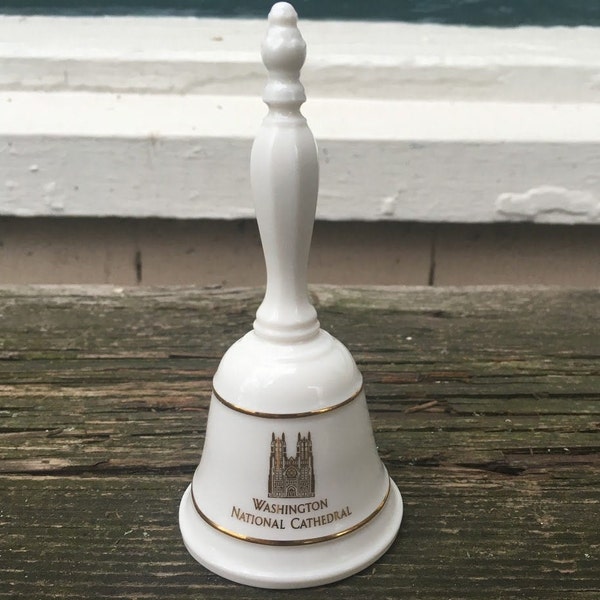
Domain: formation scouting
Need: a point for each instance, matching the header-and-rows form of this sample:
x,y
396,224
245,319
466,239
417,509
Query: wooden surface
x,y
485,405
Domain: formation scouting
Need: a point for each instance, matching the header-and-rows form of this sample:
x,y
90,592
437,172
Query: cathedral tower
x,y
291,476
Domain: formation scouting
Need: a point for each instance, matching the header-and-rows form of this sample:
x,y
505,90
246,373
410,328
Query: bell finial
x,y
283,52
283,13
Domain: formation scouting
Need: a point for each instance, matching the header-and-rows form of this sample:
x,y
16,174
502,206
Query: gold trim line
x,y
266,415
316,540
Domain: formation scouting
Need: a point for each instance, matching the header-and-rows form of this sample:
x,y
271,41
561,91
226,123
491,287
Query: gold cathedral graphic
x,y
291,476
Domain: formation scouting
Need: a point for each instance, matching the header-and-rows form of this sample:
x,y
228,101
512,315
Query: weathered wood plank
x,y
467,534
485,404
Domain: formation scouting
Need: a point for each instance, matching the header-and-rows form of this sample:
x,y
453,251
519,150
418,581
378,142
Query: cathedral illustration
x,y
291,476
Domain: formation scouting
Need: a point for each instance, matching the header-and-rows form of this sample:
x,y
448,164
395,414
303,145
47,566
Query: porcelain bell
x,y
290,491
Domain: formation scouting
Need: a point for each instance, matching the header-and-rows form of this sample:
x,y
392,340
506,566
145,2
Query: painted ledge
x,y
414,122
345,59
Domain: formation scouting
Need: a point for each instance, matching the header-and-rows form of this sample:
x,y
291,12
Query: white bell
x,y
290,491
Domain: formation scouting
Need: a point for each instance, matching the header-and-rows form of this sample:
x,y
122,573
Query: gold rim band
x,y
316,540
266,415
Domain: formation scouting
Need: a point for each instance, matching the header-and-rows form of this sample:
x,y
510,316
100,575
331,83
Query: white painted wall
x,y
155,117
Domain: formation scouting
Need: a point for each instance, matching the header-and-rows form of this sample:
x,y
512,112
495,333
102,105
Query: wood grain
x,y
485,405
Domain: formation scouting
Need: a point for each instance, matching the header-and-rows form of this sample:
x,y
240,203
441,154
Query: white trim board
x,y
88,154
166,116
414,122
345,59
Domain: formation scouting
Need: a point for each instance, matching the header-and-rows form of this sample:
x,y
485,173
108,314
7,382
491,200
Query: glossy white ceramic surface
x,y
289,566
290,491
232,480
